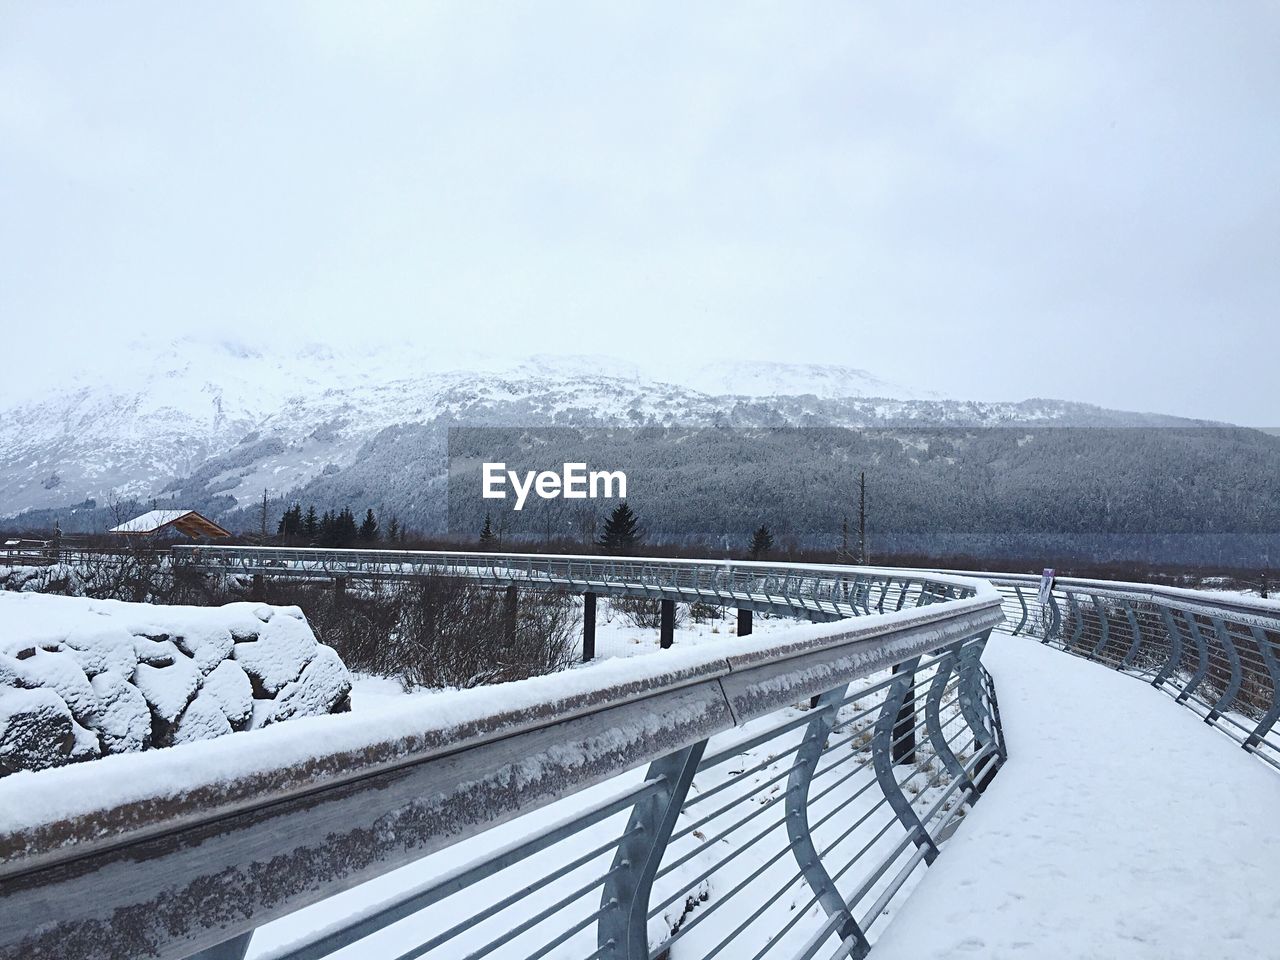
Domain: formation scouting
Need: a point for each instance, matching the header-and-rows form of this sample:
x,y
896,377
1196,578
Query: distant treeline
x,y
1179,494
336,528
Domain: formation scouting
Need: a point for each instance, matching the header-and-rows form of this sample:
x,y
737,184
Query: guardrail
x,y
1218,654
807,822
814,592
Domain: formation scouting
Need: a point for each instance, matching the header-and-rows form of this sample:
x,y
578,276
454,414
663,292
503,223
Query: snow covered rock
x,y
122,716
81,678
275,657
228,686
59,578
38,731
323,687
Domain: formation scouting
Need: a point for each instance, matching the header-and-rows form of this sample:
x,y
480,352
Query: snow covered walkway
x,y
1121,827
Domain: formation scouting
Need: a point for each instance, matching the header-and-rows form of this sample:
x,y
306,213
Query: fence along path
x,y
1216,653
185,852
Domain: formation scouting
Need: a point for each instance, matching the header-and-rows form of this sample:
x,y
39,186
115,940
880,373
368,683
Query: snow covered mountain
x,y
228,420
771,379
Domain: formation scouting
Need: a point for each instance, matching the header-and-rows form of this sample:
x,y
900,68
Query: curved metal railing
x,y
804,590
1217,653
755,797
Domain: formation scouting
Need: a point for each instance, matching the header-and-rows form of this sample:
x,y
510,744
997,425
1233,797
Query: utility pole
x,y
1263,591
263,517
862,517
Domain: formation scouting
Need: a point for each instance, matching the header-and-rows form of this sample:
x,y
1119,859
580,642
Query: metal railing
x,y
811,591
759,797
1218,654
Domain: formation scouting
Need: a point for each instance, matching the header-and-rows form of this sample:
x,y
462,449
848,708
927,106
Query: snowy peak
x,y
765,378
229,418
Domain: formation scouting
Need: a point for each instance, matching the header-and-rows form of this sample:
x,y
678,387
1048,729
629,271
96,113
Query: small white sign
x,y
1046,585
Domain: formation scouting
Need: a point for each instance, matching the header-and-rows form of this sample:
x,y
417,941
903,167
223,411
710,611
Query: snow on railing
x,y
756,824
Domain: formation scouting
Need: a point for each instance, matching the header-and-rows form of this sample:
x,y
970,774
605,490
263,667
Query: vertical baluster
x,y
1168,671
883,760
622,932
1232,688
1273,670
1202,648
797,815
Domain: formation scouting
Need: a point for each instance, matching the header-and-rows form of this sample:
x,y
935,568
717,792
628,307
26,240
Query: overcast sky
x,y
987,200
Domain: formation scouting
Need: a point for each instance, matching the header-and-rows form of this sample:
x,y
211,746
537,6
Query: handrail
x,y
1217,654
1268,608
214,839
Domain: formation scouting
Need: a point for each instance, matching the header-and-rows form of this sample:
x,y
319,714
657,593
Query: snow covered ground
x,y
615,637
1122,826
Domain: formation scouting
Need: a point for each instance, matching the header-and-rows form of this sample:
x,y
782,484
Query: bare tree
x,y
262,518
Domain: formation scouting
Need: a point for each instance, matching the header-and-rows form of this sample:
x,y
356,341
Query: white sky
x,y
988,200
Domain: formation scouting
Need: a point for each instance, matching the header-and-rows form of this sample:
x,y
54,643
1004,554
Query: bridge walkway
x,y
1122,827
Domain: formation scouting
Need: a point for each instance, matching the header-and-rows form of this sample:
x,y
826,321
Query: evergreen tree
x,y
328,531
761,542
311,524
487,537
290,525
622,532
344,528
369,528
393,530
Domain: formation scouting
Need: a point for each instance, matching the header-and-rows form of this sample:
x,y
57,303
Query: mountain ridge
x,y
220,421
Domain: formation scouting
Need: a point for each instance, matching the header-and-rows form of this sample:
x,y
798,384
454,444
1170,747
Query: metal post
x,y
1077,620
904,728
1231,688
882,760
667,624
258,591
970,671
509,608
1104,623
1055,619
1171,665
339,590
622,933
1202,649
1025,613
797,812
1132,654
933,718
744,623
1273,670
588,627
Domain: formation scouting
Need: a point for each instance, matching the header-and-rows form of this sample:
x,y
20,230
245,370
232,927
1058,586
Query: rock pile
x,y
85,678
